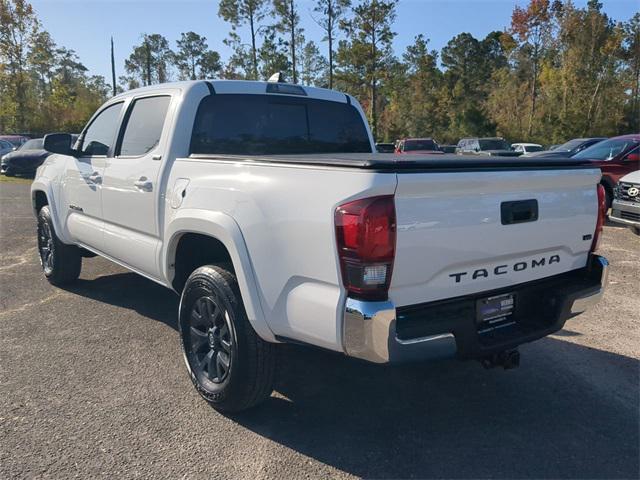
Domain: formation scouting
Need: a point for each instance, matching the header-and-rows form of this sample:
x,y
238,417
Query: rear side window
x,y
270,124
100,135
144,125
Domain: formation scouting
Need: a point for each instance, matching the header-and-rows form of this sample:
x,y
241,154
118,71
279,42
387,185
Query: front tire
x,y
61,263
229,364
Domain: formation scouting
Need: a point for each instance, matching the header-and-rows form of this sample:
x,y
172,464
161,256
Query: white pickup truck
x,y
264,207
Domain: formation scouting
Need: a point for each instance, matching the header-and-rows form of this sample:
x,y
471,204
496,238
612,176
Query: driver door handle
x,y
144,184
95,178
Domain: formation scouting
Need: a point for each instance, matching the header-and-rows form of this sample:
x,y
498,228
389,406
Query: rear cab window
x,y
245,124
143,126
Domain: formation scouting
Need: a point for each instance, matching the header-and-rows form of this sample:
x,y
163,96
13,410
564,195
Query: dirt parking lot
x,y
92,383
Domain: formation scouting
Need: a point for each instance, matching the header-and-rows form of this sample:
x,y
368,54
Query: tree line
x,y
555,72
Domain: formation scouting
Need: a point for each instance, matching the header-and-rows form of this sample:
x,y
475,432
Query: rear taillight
x,y
366,236
602,213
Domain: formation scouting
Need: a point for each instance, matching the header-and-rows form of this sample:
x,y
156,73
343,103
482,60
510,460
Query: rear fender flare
x,y
223,228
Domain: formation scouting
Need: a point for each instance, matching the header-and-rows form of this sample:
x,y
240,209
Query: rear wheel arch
x,y
219,235
192,250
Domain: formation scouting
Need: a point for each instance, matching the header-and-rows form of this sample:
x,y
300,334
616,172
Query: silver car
x,y
626,203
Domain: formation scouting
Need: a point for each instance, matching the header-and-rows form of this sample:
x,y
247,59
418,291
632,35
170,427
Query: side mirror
x,y
633,157
58,143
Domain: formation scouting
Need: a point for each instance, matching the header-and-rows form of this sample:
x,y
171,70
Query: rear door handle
x,y
95,178
144,184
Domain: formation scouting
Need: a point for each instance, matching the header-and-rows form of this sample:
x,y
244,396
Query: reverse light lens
x,y
366,237
375,275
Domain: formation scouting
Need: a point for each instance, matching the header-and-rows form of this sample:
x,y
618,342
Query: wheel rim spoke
x,y
196,318
205,363
198,338
209,340
222,364
226,345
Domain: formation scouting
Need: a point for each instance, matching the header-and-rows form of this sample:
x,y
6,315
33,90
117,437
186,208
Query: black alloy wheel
x,y
209,344
229,364
46,246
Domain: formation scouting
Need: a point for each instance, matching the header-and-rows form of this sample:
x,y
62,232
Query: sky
x,y
87,25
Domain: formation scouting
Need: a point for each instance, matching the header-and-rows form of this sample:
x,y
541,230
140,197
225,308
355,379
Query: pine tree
x,y
245,12
364,58
331,12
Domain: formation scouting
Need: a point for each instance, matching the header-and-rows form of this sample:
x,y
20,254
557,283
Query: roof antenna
x,y
277,77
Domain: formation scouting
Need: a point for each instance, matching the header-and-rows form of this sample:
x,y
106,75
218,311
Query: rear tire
x,y
60,262
229,364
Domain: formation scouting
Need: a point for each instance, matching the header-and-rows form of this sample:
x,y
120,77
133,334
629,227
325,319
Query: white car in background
x,y
626,203
527,147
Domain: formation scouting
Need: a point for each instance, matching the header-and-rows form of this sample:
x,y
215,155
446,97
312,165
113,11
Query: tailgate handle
x,y
520,211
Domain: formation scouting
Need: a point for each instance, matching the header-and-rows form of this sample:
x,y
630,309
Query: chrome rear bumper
x,y
370,328
369,334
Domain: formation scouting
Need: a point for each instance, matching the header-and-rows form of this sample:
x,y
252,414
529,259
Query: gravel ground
x,y
92,383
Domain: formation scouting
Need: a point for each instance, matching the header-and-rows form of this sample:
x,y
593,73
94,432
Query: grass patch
x,y
24,180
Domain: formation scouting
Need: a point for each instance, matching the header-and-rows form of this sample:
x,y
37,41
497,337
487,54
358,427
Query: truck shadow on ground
x,y
455,419
130,290
568,412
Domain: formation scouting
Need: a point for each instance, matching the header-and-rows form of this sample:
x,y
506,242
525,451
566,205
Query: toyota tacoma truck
x,y
264,206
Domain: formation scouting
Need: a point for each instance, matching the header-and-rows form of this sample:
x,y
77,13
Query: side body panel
x,y
284,215
131,213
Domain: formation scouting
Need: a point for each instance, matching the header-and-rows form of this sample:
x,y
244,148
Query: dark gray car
x,y
568,149
26,159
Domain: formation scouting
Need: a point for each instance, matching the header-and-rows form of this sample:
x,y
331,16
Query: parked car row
x,y
492,146
616,157
495,146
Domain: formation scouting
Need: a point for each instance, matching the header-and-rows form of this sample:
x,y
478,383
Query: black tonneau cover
x,y
394,162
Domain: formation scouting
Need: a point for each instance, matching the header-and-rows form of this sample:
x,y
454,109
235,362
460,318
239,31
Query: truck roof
x,y
239,87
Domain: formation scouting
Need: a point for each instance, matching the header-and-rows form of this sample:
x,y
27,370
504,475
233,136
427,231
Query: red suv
x,y
615,157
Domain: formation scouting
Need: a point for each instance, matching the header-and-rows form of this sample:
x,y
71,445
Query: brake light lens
x,y
602,214
366,238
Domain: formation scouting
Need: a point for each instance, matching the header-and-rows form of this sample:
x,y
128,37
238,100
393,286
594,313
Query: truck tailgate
x,y
455,237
